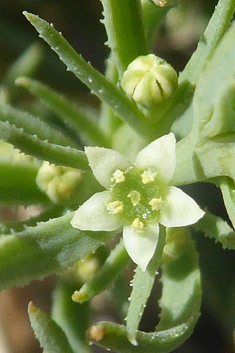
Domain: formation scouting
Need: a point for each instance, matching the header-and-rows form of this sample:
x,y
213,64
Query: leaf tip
x,y
32,309
132,339
96,333
80,296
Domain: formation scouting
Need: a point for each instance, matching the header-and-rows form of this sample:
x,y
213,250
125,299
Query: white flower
x,y
138,197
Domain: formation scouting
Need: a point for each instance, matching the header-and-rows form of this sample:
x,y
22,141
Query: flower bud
x,y
149,80
59,183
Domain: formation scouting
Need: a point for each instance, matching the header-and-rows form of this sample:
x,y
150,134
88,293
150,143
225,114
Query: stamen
x,y
148,176
137,224
155,203
135,197
115,207
118,176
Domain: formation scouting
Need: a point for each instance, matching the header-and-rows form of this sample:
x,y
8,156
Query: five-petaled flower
x,y
138,197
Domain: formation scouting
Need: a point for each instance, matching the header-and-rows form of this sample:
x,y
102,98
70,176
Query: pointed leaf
x,y
44,150
33,125
70,114
71,317
104,89
180,309
43,250
51,337
112,267
124,27
142,285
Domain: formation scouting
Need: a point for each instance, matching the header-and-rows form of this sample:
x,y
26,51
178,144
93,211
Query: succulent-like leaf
x,y
124,27
104,89
46,249
71,317
51,337
66,156
112,267
34,126
77,120
180,304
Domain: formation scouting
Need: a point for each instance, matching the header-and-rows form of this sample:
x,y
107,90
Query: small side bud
x,y
59,183
149,80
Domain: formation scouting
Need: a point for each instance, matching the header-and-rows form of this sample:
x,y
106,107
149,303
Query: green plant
x,y
133,154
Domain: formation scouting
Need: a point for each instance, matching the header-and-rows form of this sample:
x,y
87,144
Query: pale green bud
x,y
149,80
59,183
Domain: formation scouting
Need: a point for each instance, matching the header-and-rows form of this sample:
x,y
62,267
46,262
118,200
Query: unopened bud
x,y
149,80
59,183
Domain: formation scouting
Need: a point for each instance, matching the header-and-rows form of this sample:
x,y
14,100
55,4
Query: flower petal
x,y
141,245
93,214
104,162
179,209
160,155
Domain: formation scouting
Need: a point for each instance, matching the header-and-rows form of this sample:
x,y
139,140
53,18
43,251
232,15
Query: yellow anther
x,y
148,176
155,203
115,207
135,197
118,176
137,224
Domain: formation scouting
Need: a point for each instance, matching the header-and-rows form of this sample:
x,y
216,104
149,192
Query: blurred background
x,y
79,22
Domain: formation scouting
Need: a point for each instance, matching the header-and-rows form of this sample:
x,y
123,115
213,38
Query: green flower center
x,y
137,196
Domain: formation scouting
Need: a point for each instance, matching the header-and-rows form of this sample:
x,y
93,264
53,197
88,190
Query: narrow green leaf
x,y
66,156
18,184
216,228
51,337
33,125
125,31
71,115
112,267
10,227
113,336
142,286
71,317
43,250
104,89
25,65
180,305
